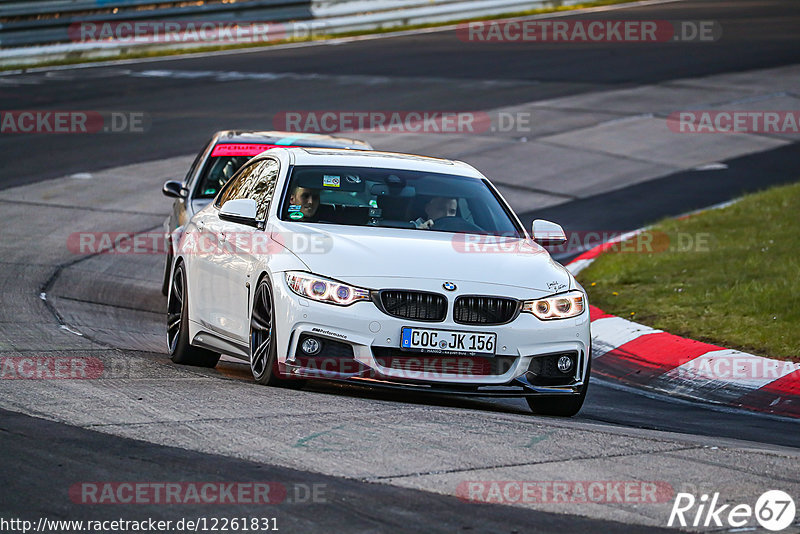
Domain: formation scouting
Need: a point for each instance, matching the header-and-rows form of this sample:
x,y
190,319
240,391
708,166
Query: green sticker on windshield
x,y
296,215
209,191
373,203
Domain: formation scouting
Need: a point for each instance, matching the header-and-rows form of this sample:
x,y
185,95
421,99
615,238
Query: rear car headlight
x,y
561,306
325,290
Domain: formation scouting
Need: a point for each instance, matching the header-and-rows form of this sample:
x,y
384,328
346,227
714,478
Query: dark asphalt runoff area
x,y
399,73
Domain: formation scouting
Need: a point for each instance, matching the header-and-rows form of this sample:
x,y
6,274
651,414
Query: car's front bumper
x,y
372,334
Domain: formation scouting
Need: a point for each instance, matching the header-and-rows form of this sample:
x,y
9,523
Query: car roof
x,y
376,159
276,137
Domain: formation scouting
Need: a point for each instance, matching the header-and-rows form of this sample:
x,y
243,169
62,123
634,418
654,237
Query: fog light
x,y
564,364
311,346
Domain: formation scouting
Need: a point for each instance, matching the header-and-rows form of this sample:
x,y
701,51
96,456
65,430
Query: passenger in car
x,y
436,208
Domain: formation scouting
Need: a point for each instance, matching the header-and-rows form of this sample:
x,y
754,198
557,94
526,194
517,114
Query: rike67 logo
x,y
774,510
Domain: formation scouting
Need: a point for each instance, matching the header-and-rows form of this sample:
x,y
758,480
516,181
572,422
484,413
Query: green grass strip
x,y
729,276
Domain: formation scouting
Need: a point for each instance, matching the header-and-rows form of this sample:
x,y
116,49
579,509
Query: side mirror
x,y
240,210
173,189
548,233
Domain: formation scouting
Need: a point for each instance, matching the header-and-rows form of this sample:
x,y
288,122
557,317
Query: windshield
x,y
227,158
218,171
359,196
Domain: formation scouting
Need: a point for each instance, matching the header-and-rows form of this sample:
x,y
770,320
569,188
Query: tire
x,y
167,271
263,348
562,405
180,350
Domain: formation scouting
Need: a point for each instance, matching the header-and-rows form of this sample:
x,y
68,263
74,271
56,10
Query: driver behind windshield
x,y
437,208
306,201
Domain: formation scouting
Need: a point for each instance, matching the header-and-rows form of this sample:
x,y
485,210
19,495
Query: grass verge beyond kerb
x,y
728,276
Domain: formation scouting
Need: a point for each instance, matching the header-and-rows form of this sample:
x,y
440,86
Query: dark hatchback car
x,y
217,162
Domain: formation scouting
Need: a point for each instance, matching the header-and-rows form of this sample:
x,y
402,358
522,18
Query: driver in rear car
x,y
437,208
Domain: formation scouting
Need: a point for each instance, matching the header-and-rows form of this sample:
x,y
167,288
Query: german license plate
x,y
447,341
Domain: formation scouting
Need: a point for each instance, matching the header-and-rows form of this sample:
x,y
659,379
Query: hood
x,y
348,253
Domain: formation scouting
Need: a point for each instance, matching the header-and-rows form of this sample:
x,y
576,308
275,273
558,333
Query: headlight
x,y
324,290
560,306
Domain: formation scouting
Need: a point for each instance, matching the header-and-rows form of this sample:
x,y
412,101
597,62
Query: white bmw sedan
x,y
380,269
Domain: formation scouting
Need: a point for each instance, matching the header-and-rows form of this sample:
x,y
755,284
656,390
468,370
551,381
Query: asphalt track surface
x,y
433,71
54,455
443,73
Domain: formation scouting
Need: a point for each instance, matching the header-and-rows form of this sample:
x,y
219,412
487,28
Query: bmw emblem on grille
x,y
450,286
